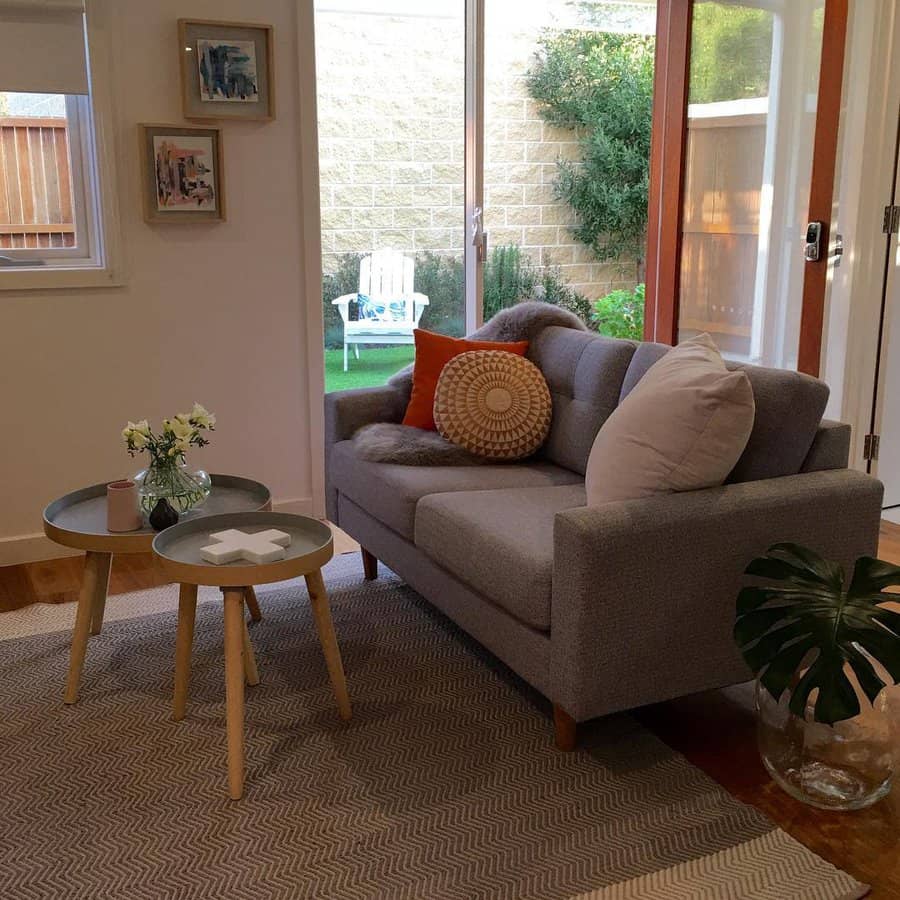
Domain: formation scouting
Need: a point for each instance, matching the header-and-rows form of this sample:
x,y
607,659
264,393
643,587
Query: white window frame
x,y
88,250
94,261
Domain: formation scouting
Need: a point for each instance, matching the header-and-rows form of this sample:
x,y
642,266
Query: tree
x,y
739,35
601,85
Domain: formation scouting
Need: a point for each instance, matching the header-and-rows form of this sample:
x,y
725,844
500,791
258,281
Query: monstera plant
x,y
818,647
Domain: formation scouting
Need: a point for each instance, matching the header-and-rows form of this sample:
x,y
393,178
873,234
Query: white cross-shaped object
x,y
262,547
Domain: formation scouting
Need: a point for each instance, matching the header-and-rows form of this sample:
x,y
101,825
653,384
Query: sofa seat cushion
x,y
390,492
499,543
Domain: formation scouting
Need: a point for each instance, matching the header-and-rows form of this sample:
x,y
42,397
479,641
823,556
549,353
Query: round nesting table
x,y
79,520
179,551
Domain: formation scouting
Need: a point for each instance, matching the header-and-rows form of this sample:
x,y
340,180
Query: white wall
x,y
214,313
863,180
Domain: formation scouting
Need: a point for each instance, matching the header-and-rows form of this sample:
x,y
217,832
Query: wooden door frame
x,y
668,145
667,168
824,170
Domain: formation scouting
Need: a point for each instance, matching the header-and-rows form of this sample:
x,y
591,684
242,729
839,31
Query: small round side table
x,y
179,551
79,520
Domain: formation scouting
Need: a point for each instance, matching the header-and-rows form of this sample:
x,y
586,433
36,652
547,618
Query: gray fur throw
x,y
522,322
403,445
388,442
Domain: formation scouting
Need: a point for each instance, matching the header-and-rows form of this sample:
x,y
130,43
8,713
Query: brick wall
x,y
391,130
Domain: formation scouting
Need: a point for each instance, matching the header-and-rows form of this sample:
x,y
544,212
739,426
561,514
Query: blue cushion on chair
x,y
378,310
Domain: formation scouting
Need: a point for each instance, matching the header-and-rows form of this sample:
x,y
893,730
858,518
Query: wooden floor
x,y
58,580
714,730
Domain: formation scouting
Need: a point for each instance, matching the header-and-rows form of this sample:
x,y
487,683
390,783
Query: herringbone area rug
x,y
444,785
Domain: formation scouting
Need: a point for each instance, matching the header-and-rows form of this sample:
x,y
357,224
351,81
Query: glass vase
x,y
845,766
171,479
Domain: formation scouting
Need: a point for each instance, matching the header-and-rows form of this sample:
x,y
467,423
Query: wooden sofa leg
x,y
370,565
565,729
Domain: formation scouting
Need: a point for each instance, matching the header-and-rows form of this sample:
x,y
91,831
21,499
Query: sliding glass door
x,y
457,164
748,172
391,100
476,153
568,95
743,233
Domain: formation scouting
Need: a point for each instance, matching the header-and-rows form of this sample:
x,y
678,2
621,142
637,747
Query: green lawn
x,y
374,366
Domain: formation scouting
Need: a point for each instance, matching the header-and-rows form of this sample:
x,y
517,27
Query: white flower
x,y
182,446
183,431
136,434
172,451
202,417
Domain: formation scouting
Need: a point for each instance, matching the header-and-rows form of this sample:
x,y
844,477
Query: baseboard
x,y
37,547
26,548
301,506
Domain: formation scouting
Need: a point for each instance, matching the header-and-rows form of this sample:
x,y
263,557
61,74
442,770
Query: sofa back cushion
x,y
789,407
584,372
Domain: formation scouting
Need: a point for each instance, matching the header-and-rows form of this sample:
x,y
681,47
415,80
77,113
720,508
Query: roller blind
x,y
42,48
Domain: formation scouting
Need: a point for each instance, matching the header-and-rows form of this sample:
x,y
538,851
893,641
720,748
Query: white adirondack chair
x,y
389,308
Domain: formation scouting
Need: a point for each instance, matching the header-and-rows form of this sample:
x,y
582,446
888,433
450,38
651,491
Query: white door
x,y
887,406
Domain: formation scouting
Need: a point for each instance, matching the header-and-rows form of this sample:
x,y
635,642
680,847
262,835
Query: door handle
x,y
813,249
479,235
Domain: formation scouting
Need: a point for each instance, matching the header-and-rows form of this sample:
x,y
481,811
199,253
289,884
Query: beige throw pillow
x,y
683,427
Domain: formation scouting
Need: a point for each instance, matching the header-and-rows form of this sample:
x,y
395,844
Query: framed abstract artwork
x,y
227,70
182,175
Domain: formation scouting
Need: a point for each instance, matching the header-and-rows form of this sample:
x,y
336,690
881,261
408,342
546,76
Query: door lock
x,y
813,249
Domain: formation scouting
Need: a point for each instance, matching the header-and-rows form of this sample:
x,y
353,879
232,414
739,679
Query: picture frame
x,y
182,175
227,70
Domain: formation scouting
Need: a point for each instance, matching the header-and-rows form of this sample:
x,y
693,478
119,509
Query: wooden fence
x,y
35,184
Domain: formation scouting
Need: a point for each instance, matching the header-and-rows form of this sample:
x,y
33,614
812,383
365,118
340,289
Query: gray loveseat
x,y
607,608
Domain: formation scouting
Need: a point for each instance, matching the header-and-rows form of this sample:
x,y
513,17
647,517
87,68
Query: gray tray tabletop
x,y
179,548
78,519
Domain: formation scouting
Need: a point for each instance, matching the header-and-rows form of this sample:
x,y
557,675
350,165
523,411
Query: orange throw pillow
x,y
433,352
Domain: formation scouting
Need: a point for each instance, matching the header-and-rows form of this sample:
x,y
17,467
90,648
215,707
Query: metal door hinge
x,y
871,446
891,220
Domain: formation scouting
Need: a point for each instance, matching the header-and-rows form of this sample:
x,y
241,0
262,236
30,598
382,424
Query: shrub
x,y
601,86
620,314
343,280
740,35
507,279
510,277
443,280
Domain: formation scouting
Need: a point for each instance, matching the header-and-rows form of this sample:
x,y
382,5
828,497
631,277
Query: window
x,y
50,214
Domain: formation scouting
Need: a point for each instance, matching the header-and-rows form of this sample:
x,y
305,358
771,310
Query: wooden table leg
x,y
187,611
318,599
250,670
94,584
100,596
234,688
252,603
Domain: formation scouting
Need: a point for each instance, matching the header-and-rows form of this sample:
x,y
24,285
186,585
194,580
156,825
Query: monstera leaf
x,y
802,633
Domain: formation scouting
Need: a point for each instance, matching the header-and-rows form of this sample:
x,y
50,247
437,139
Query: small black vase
x,y
163,515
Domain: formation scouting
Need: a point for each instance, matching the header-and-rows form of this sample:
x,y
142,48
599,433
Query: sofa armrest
x,y
830,447
345,413
644,590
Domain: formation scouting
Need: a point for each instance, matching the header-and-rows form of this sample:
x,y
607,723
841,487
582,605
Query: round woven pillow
x,y
493,403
